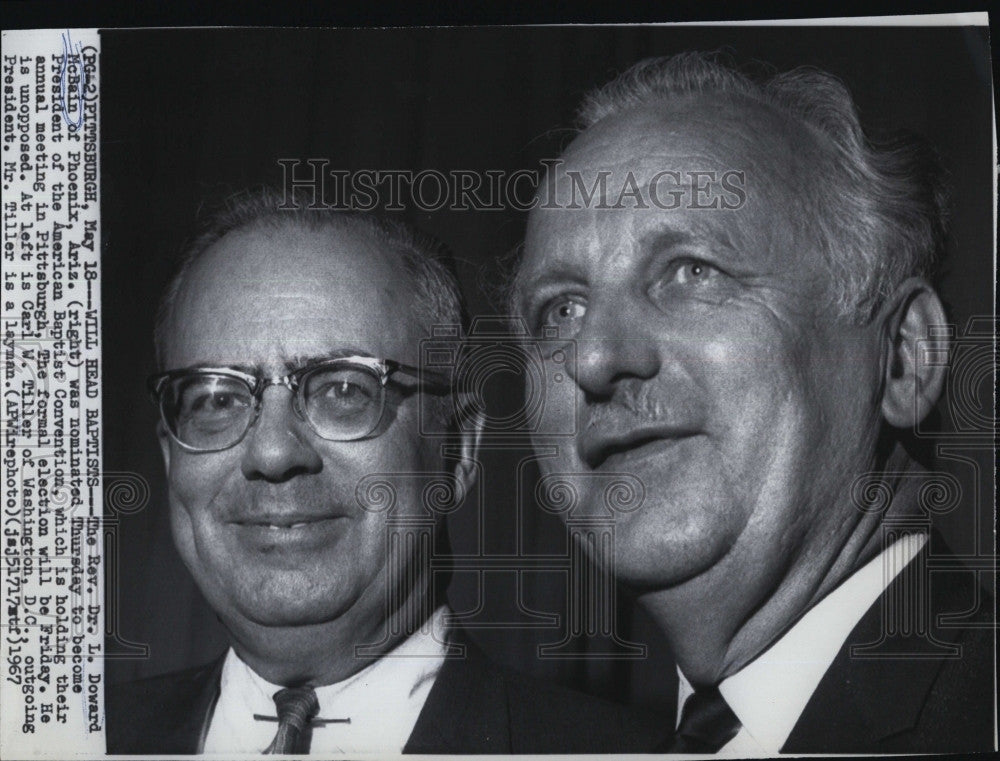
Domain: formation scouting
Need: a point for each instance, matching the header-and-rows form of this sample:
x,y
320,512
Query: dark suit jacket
x,y
916,696
473,707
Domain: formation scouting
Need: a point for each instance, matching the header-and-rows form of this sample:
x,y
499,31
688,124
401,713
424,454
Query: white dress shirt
x,y
769,694
383,701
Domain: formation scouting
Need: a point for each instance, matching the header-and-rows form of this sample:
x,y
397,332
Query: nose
x,y
612,348
279,446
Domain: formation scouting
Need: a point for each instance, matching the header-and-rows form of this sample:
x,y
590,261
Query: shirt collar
x,y
394,686
769,694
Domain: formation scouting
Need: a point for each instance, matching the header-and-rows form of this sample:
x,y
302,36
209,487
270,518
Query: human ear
x,y
470,436
164,439
911,387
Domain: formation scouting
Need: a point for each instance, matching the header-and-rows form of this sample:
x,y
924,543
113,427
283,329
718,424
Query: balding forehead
x,y
269,246
701,132
781,159
268,294
695,115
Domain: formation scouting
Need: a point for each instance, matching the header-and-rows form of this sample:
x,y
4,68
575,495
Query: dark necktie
x,y
296,708
707,724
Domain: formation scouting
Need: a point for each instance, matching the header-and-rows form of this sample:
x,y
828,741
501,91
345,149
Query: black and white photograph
x,y
556,389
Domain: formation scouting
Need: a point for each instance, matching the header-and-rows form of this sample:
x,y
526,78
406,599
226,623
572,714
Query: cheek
x,y
551,409
402,449
399,468
747,371
792,406
848,383
822,382
195,479
765,417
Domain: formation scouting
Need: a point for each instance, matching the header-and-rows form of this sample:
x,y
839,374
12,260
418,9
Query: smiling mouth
x,y
284,523
632,450
291,534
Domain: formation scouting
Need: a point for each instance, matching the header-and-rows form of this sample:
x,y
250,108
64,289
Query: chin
x,y
652,551
275,601
292,612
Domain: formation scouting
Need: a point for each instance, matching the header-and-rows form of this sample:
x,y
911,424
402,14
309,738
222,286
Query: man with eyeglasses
x,y
288,345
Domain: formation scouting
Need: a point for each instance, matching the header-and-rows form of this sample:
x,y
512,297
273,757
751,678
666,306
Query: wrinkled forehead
x,y
708,166
270,295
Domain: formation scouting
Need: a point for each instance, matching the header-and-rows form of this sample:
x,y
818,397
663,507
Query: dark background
x,y
193,114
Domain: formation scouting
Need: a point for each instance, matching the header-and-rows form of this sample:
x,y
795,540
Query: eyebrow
x,y
289,364
299,360
650,243
562,273
658,240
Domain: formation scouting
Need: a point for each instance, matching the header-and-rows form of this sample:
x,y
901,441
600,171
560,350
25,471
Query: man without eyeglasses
x,y
289,346
745,280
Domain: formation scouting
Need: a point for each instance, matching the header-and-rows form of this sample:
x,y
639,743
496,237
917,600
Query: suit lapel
x,y
879,689
466,710
188,731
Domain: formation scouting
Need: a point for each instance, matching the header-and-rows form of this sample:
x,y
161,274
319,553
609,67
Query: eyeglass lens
x,y
210,411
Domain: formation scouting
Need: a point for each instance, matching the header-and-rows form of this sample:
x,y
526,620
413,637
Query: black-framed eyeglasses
x,y
209,409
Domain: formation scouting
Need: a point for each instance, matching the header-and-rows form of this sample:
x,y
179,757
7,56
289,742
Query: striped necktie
x,y
296,708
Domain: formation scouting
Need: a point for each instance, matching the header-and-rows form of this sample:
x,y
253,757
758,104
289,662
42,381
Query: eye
x,y
565,313
688,277
340,388
344,390
212,396
220,400
693,272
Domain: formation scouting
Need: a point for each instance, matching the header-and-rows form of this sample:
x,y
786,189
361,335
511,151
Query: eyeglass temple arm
x,y
429,377
153,385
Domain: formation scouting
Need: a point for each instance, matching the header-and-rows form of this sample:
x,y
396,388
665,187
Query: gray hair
x,y
437,296
881,212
